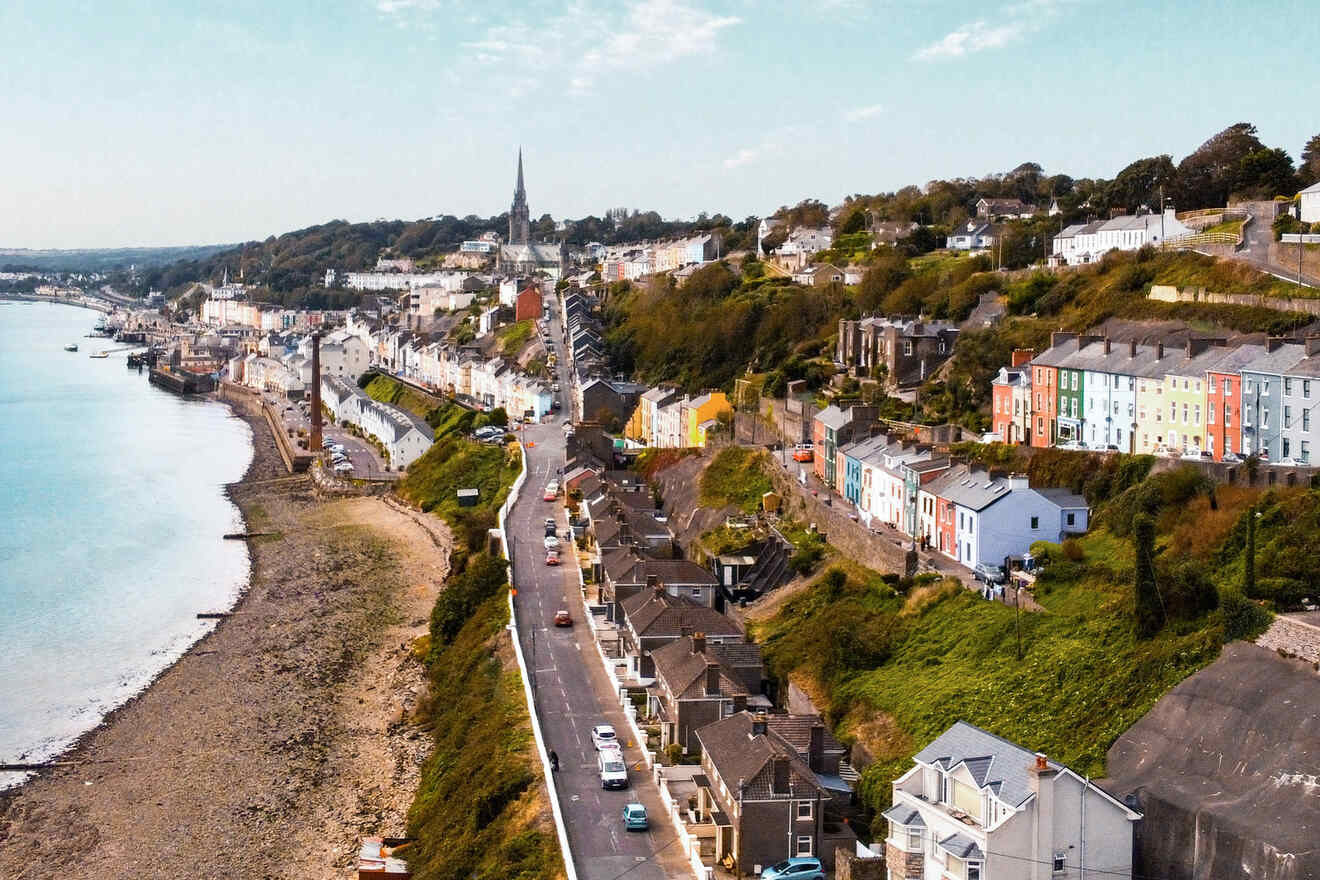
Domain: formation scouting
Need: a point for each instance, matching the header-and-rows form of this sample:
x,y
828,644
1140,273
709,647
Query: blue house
x,y
853,453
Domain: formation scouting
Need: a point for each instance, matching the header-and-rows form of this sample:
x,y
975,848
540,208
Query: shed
x,y
770,502
468,497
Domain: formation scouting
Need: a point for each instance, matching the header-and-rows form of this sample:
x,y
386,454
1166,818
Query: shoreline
x,y
222,764
94,305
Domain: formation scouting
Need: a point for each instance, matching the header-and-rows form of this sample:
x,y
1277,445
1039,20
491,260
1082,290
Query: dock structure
x,y
181,381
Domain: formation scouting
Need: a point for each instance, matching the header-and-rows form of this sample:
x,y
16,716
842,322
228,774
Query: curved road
x,y
573,694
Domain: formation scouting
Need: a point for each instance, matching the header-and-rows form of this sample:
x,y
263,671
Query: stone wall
x,y
1169,293
850,866
905,864
1294,637
881,552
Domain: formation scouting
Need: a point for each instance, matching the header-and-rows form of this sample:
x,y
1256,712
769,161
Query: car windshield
x,y
614,767
637,812
782,866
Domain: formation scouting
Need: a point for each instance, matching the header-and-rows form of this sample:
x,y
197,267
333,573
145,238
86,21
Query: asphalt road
x,y
573,693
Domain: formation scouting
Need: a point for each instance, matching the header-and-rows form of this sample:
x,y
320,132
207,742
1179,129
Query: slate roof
x,y
656,613
832,417
738,756
684,670
1061,497
994,762
963,847
901,814
796,731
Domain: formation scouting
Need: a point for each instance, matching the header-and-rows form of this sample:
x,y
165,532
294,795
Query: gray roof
x,y
832,417
994,763
901,814
975,490
1279,361
1061,497
861,448
738,756
963,847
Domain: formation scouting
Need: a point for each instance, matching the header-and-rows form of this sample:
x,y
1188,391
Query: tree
x,y
1149,607
1265,174
855,221
1208,176
1249,561
1309,171
1139,183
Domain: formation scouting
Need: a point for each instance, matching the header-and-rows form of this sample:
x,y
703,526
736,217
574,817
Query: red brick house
x,y
527,307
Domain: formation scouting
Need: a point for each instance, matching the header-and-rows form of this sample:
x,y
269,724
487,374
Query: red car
x,y
563,618
552,558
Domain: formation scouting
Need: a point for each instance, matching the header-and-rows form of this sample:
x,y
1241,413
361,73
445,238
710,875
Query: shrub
x,y
1243,619
1072,550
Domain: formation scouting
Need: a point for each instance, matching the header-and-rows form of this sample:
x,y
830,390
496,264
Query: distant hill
x,y
102,259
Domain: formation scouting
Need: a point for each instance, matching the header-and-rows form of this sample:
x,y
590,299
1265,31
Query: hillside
x,y
893,663
103,259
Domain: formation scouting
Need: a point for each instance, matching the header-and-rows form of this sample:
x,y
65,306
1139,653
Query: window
x,y
1060,862
1187,385
1247,386
1285,447
1073,407
1185,420
1116,407
1306,388
1072,519
1287,416
1306,420
913,840
1074,381
1306,451
1265,419
1287,385
1209,416
1173,412
973,871
804,845
907,346
1035,522
1246,417
804,810
1228,417
1265,388
1040,425
1228,387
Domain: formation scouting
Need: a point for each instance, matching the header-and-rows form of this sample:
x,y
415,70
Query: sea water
x,y
112,516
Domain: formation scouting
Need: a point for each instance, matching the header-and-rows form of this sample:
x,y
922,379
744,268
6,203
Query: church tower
x,y
519,217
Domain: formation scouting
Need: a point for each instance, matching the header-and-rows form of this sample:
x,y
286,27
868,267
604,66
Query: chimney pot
x,y
759,724
699,643
1108,346
1042,763
1132,348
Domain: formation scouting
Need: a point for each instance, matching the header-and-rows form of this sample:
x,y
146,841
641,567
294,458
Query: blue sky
x,y
155,123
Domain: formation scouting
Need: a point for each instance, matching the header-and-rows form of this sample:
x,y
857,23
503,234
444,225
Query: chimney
x,y
699,643
625,534
779,767
1022,356
1040,781
314,444
1108,345
1274,343
816,747
1159,351
1059,338
739,703
712,679
653,584
759,724
1312,345
1132,348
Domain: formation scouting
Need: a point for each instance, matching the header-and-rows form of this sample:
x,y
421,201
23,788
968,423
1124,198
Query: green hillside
x,y
894,663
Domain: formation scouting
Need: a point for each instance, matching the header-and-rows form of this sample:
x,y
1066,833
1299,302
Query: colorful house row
x,y
1202,398
968,515
667,420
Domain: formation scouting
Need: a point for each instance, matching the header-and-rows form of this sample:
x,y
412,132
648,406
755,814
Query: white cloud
x,y
857,114
742,157
975,37
1015,21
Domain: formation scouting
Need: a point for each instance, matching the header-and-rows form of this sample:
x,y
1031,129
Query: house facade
x,y
977,807
902,351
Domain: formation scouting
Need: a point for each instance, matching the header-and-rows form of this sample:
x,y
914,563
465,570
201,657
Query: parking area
x,y
366,461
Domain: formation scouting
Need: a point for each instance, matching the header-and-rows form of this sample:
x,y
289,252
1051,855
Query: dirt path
x,y
271,746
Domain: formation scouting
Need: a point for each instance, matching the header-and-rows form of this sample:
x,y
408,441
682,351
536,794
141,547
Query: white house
x,y
974,237
1076,245
404,437
1308,204
977,807
998,517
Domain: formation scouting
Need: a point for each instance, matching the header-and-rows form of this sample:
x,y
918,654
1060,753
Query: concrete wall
x,y
1168,293
850,866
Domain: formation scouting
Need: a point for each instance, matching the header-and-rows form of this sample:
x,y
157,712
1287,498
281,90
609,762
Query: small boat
x,y
72,346
100,354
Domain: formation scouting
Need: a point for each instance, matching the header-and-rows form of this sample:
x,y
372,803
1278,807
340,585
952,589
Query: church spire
x,y
519,215
519,193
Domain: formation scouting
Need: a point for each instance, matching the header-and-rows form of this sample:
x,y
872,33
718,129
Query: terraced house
x,y
974,806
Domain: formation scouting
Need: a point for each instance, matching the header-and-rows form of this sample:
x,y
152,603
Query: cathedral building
x,y
519,254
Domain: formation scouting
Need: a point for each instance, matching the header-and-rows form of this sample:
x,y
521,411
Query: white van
x,y
613,771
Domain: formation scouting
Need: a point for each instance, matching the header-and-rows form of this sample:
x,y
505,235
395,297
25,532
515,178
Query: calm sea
x,y
112,509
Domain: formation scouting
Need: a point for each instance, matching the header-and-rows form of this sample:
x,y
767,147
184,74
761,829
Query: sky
x,y
133,123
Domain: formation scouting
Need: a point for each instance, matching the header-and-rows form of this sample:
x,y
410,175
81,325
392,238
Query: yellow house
x,y
699,410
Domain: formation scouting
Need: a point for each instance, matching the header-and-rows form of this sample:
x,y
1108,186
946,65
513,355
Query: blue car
x,y
634,818
795,869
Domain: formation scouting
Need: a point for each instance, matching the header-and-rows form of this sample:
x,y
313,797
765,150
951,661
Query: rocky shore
x,y
279,739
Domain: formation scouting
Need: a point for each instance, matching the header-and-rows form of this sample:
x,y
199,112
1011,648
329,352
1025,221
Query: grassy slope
x,y
389,390
893,671
514,337
735,477
479,810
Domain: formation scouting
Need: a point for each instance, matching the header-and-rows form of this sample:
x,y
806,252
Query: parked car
x,y
602,735
1232,458
552,542
563,618
803,452
990,574
552,557
634,818
551,493
613,770
1197,455
801,868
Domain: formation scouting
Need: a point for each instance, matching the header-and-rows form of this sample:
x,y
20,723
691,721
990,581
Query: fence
x,y
570,872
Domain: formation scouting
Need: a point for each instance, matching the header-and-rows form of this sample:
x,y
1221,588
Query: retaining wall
x,y
1292,636
1169,293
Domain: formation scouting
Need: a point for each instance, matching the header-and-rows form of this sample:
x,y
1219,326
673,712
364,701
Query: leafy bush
x,y
1243,619
482,578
